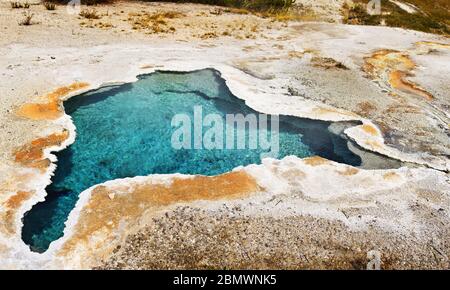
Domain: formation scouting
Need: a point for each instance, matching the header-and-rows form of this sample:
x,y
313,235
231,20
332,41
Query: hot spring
x,y
126,131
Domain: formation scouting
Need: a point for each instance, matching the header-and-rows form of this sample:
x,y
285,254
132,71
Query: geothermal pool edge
x,y
233,78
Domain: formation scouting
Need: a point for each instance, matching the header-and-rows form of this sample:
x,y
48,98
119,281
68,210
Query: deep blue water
x,y
125,131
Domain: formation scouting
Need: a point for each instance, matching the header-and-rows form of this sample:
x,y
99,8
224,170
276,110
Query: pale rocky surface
x,y
176,241
292,219
307,69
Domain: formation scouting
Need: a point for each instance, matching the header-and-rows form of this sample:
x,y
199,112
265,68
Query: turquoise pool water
x,y
125,131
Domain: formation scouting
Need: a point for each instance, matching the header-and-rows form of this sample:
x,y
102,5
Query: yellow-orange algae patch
x,y
107,208
32,155
387,59
52,109
11,206
315,161
369,129
432,44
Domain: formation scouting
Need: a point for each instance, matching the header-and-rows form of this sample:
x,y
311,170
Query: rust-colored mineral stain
x,y
148,66
11,206
395,66
391,176
349,171
326,111
398,81
52,108
374,144
32,155
315,161
107,207
369,129
327,63
296,54
48,111
16,200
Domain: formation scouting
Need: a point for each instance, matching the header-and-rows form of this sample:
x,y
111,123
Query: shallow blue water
x,y
125,131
